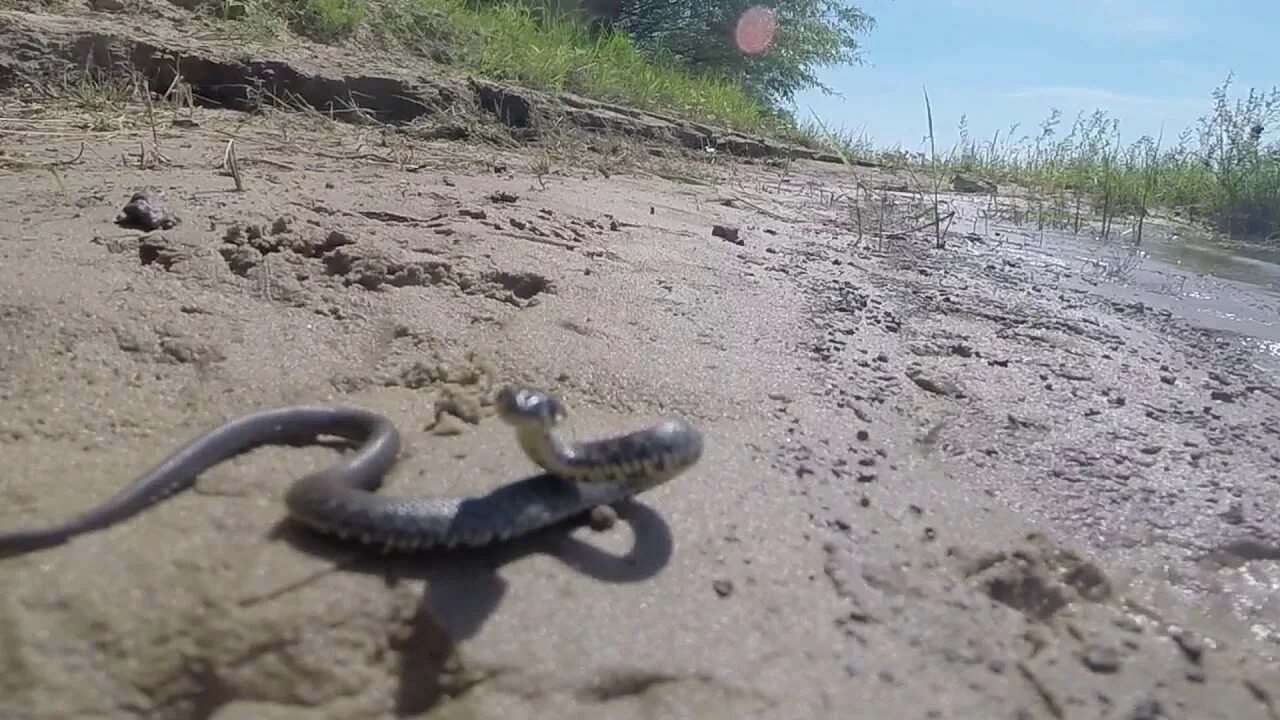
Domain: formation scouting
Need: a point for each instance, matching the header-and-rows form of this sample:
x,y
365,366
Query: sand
x,y
958,482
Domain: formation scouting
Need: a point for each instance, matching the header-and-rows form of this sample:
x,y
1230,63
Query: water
x,y
1234,290
1229,288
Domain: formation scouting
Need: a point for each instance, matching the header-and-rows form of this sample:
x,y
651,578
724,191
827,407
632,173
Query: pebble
x,y
1192,645
729,233
602,518
1101,659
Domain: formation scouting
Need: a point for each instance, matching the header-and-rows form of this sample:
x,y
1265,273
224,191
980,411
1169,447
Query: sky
x,y
1152,64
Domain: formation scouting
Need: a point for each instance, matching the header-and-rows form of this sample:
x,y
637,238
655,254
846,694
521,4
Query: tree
x,y
698,35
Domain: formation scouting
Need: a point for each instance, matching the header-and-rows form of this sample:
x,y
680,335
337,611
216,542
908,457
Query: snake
x,y
342,500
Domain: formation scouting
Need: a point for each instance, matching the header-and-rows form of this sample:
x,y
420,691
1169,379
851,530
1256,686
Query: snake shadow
x,y
463,587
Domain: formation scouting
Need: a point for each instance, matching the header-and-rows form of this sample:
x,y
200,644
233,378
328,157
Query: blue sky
x,y
1147,62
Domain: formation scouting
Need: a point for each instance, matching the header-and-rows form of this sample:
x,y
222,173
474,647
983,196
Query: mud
x,y
967,481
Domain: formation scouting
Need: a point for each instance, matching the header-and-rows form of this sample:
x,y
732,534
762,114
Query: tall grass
x,y
515,42
1220,170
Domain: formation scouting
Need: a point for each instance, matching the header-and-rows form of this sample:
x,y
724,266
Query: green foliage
x,y
1221,169
677,56
515,42
320,20
699,35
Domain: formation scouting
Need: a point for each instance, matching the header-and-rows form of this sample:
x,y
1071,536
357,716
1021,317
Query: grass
x,y
512,42
1220,171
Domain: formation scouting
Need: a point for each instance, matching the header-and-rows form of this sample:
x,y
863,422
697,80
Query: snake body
x,y
342,500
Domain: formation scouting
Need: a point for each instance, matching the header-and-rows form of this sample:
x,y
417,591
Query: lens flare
x,y
754,30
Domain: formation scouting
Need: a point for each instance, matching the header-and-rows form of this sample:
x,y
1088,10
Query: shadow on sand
x,y
463,587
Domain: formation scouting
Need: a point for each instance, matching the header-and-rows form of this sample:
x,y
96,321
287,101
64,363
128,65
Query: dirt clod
x,y
729,233
147,210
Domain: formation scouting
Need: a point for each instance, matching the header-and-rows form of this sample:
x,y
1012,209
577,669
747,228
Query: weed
x,y
1220,170
513,42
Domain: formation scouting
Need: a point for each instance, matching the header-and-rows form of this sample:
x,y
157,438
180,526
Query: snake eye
x,y
527,405
540,405
551,409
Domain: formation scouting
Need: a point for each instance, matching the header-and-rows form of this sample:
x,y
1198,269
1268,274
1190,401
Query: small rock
x,y
729,233
1102,659
106,5
1225,396
723,588
146,210
602,518
1191,644
935,385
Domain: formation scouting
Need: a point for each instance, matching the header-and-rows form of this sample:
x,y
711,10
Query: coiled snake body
x,y
341,500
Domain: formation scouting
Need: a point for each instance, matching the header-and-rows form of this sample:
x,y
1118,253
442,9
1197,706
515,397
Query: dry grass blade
x,y
231,165
11,163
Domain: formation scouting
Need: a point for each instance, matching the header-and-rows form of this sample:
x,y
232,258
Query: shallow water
x,y
1252,266
1212,285
1231,289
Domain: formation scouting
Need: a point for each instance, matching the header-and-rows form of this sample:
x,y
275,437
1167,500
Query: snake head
x,y
524,406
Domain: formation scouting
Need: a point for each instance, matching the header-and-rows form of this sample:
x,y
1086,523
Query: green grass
x,y
514,43
1221,170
